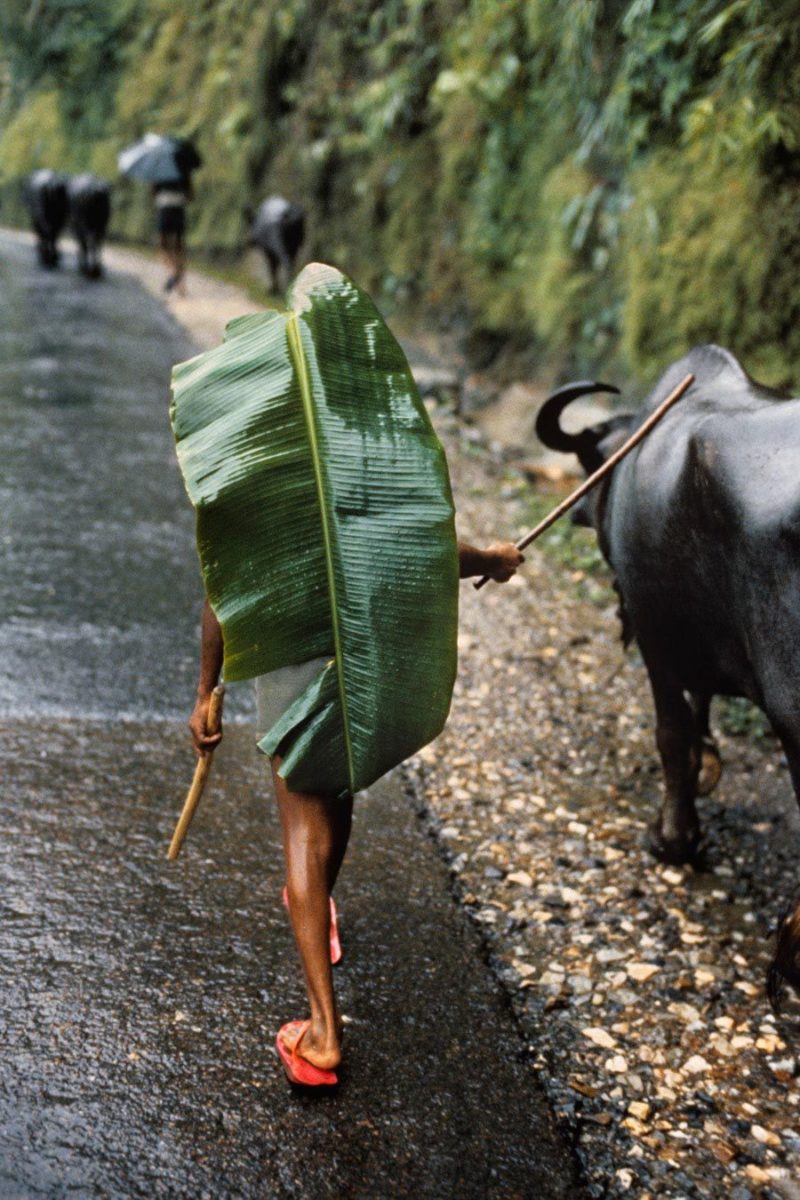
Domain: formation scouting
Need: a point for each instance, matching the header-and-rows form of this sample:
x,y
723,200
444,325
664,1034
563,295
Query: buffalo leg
x,y
285,271
273,264
676,830
785,965
710,762
93,269
46,247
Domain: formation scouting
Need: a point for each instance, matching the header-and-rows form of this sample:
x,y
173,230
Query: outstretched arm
x,y
499,560
211,655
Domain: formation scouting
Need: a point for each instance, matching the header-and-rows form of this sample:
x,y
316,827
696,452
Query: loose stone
x,y
642,971
696,1065
600,1038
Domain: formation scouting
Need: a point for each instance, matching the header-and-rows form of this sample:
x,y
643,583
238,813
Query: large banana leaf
x,y
325,527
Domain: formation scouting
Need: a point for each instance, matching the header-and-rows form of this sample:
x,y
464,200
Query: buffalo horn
x,y
548,422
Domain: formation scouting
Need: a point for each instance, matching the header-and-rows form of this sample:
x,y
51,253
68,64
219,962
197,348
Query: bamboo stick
x,y
601,472
201,772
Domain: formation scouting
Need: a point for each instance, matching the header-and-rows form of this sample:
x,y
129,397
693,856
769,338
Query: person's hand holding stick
x,y
201,771
601,472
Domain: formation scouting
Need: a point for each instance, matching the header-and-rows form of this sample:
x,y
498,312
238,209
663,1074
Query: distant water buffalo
x,y
278,227
701,527
89,212
46,197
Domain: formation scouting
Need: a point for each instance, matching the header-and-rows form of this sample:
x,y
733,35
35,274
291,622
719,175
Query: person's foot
x,y
299,1037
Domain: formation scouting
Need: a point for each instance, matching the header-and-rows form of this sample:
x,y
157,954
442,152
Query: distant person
x,y
47,202
166,163
277,227
171,198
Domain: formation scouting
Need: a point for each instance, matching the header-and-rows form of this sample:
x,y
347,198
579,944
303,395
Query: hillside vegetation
x,y
603,182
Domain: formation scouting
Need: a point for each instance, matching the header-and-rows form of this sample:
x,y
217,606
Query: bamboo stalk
x,y
201,772
601,472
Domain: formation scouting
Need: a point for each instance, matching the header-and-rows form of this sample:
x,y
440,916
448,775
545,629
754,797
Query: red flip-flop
x,y
336,945
298,1069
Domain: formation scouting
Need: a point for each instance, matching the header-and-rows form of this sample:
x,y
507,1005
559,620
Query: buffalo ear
x,y
597,443
609,435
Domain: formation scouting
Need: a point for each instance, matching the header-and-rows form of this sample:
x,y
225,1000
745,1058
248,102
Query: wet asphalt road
x,y
138,1000
98,584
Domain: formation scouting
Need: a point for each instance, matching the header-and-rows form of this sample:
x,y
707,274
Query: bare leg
x,y
179,260
165,253
173,258
343,823
315,830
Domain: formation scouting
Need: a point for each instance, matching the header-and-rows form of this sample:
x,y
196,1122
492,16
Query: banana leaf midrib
x,y
298,357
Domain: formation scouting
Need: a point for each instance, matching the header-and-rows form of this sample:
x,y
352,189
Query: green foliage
x,y
325,528
692,235
604,180
70,46
572,547
739,718
35,137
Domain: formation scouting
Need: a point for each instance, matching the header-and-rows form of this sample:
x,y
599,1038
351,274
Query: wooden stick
x,y
200,776
601,472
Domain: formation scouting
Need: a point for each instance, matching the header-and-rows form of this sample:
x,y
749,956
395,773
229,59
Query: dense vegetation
x,y
603,181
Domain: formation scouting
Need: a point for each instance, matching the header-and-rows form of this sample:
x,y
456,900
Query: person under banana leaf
x,y
315,830
326,537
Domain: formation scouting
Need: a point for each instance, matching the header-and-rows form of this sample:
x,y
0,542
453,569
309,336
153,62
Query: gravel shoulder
x,y
639,987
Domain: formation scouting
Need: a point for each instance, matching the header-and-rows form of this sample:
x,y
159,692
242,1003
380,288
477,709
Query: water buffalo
x,y
701,527
89,212
46,197
278,227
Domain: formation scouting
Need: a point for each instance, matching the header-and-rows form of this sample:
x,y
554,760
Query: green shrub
x,y
603,181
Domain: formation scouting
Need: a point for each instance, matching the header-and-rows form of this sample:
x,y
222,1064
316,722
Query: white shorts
x,y
277,690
